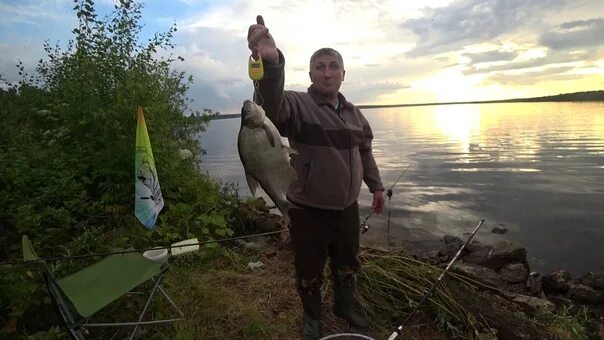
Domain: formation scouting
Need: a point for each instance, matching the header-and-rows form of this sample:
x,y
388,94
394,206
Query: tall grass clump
x,y
391,285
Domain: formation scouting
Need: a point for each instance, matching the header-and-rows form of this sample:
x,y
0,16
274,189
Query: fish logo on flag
x,y
148,200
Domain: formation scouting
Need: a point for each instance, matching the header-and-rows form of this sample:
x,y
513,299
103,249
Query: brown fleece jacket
x,y
334,148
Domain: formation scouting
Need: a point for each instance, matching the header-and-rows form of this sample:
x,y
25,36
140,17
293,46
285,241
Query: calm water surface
x,y
537,169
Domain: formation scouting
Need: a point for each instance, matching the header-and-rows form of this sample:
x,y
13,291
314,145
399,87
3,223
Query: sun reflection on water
x,y
459,123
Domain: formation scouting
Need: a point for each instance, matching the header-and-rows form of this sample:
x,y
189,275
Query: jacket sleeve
x,y
269,94
371,174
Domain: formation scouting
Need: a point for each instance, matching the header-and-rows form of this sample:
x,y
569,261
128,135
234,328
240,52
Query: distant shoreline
x,y
587,96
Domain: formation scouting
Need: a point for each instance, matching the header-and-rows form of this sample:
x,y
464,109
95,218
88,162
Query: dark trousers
x,y
318,234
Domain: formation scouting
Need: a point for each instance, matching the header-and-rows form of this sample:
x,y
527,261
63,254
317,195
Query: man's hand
x,y
261,43
378,202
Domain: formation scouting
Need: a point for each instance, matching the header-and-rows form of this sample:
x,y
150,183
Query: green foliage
x,y
572,322
67,136
17,298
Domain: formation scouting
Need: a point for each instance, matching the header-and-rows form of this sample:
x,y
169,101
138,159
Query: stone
x,y
479,273
448,251
560,300
479,255
533,285
514,272
499,229
498,255
594,280
584,294
556,281
533,303
516,288
474,246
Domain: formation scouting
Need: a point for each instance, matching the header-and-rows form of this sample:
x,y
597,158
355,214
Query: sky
x,y
395,52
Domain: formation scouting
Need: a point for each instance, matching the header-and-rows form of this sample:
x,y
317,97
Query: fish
x,y
265,159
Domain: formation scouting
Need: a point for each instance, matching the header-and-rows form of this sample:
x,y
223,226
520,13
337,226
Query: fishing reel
x,y
364,225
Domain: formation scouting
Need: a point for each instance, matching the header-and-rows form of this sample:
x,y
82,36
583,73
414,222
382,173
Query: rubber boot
x,y
345,303
311,302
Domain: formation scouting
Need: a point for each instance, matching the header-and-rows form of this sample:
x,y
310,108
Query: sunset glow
x,y
395,52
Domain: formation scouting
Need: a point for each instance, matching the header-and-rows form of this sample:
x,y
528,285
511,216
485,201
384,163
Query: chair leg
x,y
169,300
140,318
157,285
75,333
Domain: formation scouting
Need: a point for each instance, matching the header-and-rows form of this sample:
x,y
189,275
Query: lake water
x,y
535,168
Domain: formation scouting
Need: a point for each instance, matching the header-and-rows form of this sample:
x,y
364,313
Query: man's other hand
x,y
378,202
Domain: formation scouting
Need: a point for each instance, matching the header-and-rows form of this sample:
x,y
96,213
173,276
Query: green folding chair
x,y
82,294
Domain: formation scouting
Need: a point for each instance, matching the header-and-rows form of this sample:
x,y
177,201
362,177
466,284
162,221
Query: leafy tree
x,y
67,135
69,129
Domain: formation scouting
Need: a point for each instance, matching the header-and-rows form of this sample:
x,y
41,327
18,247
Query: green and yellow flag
x,y
148,200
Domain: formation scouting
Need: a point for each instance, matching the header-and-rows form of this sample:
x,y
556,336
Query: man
x,y
333,140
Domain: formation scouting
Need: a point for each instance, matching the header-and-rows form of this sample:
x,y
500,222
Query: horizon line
x,y
551,98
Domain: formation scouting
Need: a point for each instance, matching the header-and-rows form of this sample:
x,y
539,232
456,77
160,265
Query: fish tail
x,y
284,208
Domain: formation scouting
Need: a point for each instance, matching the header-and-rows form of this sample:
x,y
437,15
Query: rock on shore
x,y
503,267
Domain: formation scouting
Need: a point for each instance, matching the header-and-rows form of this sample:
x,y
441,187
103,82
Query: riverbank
x,y
246,290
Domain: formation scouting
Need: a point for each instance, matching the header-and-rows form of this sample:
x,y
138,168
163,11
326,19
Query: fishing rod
x,y
399,330
364,225
347,335
142,250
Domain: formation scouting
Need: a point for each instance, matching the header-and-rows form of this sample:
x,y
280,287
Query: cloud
x,y
472,21
220,78
551,66
12,54
485,39
534,77
575,34
551,58
214,46
34,13
24,26
490,56
365,93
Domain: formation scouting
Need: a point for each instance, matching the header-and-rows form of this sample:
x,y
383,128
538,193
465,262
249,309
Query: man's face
x,y
327,75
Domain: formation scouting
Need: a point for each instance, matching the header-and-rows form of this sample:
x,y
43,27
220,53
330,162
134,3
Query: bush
x,y
67,136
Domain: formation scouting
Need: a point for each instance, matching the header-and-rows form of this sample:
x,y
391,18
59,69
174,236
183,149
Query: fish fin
x,y
269,135
290,151
252,183
292,173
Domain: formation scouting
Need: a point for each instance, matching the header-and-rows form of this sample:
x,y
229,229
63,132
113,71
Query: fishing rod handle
x,y
395,333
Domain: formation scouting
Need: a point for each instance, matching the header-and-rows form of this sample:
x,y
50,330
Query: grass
x,y
570,322
391,285
224,299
